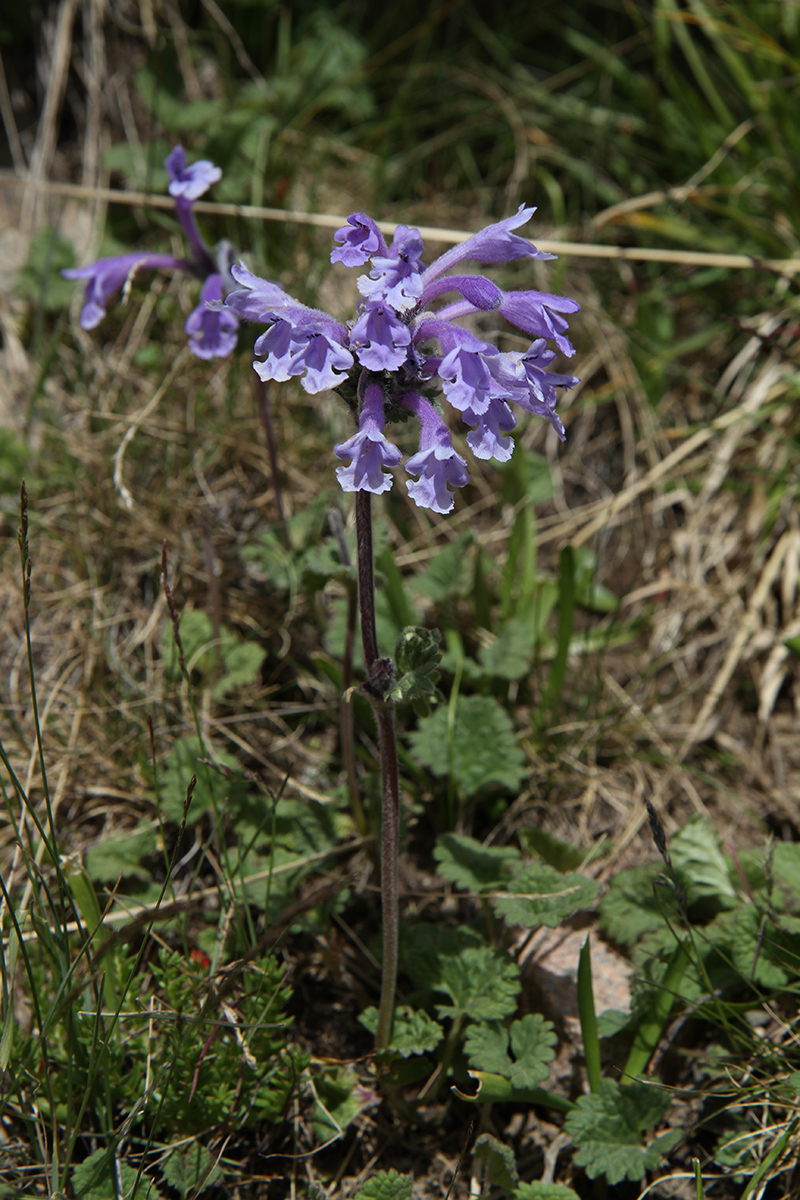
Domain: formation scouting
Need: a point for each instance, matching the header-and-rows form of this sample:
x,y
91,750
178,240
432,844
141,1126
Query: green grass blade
x,y
588,1017
663,998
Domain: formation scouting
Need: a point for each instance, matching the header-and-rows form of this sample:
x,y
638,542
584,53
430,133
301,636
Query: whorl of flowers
x,y
391,357
212,332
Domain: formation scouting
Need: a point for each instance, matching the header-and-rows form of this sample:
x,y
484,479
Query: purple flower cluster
x,y
212,332
398,345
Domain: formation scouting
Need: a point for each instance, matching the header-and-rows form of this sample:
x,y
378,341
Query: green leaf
x,y
417,658
337,1103
700,863
541,895
786,867
213,787
486,1048
544,1191
470,865
588,593
121,854
632,906
532,1041
190,1168
447,573
242,661
482,982
607,1126
386,1185
93,1179
485,749
413,1031
501,1169
509,655
561,855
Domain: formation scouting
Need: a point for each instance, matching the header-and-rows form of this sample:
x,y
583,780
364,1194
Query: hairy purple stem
x,y
346,726
379,676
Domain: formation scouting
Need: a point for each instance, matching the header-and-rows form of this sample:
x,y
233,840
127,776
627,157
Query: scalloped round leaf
x,y
484,745
544,1191
486,1048
470,865
413,1031
606,1128
498,1159
386,1185
541,895
532,1041
634,906
482,983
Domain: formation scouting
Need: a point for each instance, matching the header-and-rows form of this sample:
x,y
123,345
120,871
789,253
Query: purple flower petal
x,y
530,311
541,384
290,350
326,362
488,440
212,332
477,290
369,450
359,239
379,339
466,378
189,183
106,276
396,277
494,244
436,462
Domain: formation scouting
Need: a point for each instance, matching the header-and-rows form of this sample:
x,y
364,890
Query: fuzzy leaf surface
x,y
190,1168
413,1031
121,854
472,866
544,1191
541,895
386,1185
484,749
700,863
532,1039
93,1179
501,1169
607,1127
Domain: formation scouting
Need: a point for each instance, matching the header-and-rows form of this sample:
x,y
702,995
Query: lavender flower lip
x,y
211,334
383,360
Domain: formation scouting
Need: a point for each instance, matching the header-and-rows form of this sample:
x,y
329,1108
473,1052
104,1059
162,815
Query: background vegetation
x,y
189,889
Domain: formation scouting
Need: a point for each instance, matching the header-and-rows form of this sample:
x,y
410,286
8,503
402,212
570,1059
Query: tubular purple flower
x,y
106,276
302,350
380,339
436,462
477,290
359,239
494,244
212,332
529,311
488,440
407,344
368,449
540,384
189,182
466,378
396,277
